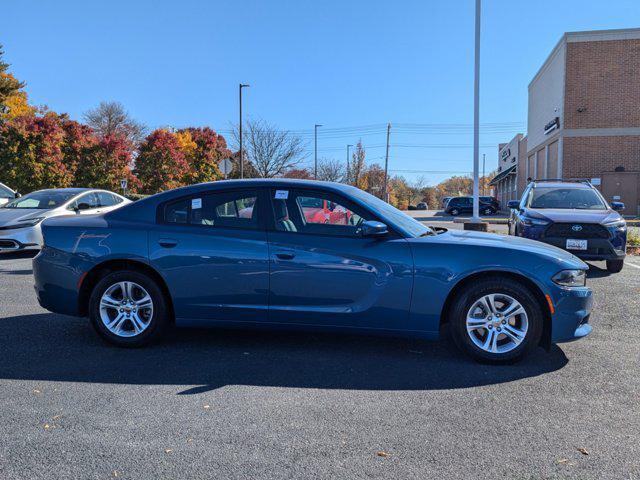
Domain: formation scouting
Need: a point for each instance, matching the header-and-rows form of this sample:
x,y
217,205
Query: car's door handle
x,y
167,242
285,255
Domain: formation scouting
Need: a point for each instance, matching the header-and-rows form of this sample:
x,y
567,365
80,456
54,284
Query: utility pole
x,y
475,223
484,180
348,162
240,87
386,166
315,150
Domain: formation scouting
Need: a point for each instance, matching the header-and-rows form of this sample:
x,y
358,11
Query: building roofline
x,y
586,36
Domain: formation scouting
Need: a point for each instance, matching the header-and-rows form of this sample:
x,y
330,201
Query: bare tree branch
x,y
111,118
271,151
331,170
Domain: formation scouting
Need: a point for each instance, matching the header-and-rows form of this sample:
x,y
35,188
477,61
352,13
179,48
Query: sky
x,y
351,65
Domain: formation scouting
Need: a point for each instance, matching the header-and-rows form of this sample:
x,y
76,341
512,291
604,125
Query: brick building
x,y
584,115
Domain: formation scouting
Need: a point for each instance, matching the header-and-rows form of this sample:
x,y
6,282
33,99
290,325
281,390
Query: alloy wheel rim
x,y
126,309
497,323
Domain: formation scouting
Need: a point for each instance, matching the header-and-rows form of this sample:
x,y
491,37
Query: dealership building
x,y
583,119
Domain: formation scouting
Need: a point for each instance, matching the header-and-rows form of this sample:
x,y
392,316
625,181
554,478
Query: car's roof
x,y
562,185
67,190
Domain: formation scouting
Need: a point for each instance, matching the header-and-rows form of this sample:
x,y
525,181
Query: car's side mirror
x,y
82,206
17,195
371,228
514,204
617,206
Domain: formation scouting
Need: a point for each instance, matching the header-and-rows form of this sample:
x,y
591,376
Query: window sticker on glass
x,y
196,203
282,194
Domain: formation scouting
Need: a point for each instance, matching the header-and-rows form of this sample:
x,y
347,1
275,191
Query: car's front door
x,y
327,274
211,248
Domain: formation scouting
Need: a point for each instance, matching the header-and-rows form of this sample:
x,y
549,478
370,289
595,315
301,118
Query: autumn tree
x,y
161,164
203,149
13,99
299,173
31,153
271,151
357,167
106,161
110,119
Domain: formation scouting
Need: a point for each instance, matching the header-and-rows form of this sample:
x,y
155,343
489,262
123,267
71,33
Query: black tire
x,y
614,266
454,212
487,211
159,320
496,285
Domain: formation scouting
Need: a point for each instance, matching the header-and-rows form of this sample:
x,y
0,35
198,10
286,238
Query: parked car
x,y
180,257
445,201
421,206
458,205
21,219
7,194
573,216
493,201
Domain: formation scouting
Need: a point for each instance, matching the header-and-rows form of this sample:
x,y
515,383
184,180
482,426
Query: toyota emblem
x,y
576,228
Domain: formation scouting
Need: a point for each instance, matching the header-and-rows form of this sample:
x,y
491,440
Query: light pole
x,y
315,150
240,87
385,197
475,223
348,147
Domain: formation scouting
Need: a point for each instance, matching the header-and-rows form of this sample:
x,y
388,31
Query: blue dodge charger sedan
x,y
306,255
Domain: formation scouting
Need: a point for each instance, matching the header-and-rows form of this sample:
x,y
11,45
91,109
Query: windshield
x,y
399,218
569,198
43,200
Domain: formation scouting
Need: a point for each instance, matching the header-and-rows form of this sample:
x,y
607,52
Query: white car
x,y
20,219
6,194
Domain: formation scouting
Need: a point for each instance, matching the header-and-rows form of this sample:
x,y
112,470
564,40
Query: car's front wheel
x,y
615,266
127,308
454,211
487,211
496,320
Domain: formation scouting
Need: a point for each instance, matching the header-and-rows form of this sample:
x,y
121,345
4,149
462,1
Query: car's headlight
x,y
619,223
571,278
534,221
32,222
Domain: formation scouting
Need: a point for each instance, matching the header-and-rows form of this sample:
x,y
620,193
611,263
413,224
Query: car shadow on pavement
x,y
48,347
597,272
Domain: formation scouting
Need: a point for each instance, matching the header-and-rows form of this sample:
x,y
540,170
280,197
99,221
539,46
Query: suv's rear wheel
x,y
496,320
614,266
128,309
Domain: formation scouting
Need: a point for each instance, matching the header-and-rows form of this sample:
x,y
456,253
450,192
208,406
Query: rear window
x,y
223,210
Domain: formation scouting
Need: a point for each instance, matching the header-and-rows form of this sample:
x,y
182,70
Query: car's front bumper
x,y
597,248
572,307
20,238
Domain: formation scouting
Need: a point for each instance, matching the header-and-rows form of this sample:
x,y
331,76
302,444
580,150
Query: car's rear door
x,y
327,274
211,248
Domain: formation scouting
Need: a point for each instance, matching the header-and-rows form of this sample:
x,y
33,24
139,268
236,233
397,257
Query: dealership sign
x,y
552,125
506,153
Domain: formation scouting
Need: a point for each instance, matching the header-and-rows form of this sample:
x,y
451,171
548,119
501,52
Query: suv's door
x,y
211,248
328,274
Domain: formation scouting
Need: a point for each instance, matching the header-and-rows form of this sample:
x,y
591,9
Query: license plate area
x,y
574,244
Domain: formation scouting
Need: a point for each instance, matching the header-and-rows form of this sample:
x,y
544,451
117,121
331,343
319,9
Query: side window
x,y
224,209
105,199
90,199
316,213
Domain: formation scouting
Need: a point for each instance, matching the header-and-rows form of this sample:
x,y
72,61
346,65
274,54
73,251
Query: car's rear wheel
x,y
615,266
487,211
127,308
496,320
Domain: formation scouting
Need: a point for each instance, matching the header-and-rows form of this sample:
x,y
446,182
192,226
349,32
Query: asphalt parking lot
x,y
237,405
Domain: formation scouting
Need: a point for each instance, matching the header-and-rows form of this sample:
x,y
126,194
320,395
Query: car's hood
x,y
574,215
492,240
11,216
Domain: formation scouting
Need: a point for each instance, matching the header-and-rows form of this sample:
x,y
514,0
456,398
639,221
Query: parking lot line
x,y
632,264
